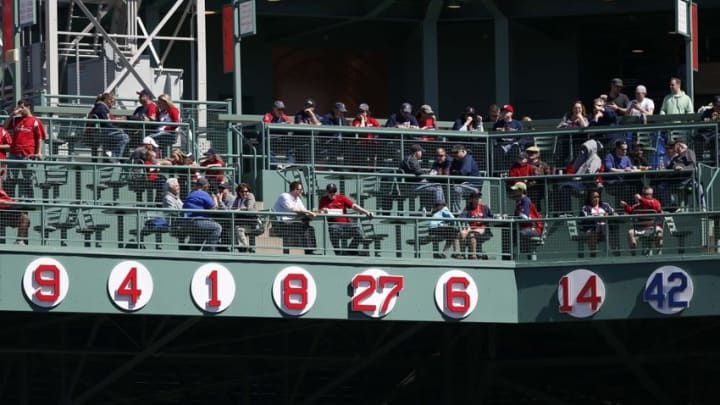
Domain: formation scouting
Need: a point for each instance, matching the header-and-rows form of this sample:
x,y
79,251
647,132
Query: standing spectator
x,y
616,99
112,138
403,119
474,233
12,217
441,227
307,115
246,226
213,160
576,117
341,228
602,115
277,114
463,165
506,123
493,114
28,134
364,119
201,229
677,102
641,106
644,204
5,143
293,220
468,121
147,110
167,134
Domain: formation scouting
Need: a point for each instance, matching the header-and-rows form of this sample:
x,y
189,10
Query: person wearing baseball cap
x,y
147,111
525,209
641,106
213,161
402,119
307,115
506,122
426,120
363,119
277,114
616,99
343,230
204,232
336,117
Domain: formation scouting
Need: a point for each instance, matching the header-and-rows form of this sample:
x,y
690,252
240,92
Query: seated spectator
x,y
587,161
683,163
493,114
536,188
594,231
430,193
224,197
441,164
140,154
442,228
112,138
474,233
12,217
463,165
709,135
618,161
576,117
167,112
277,114
213,160
646,227
147,111
469,120
343,231
426,120
364,119
403,119
247,227
293,223
638,158
307,115
197,225
521,170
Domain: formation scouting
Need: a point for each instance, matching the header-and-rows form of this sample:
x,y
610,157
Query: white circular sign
x,y
294,291
45,282
212,287
668,290
130,285
581,293
456,294
375,292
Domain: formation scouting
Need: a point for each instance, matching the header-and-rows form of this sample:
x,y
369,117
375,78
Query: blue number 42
x,y
655,291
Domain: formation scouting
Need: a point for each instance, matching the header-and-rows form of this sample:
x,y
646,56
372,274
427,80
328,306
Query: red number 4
x,y
129,286
588,294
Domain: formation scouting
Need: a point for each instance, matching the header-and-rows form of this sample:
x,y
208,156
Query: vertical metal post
x,y
689,73
201,48
502,60
429,56
52,62
18,51
237,72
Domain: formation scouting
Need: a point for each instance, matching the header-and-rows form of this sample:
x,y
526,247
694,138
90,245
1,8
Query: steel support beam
x,y
430,54
502,52
52,62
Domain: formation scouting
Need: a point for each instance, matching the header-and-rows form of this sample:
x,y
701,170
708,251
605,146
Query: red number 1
x,y
129,286
213,281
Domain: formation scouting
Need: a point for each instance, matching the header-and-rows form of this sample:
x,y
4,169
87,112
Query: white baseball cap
x,y
149,140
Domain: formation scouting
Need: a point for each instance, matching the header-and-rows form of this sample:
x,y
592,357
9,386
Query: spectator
x,y
618,160
5,143
525,209
167,112
641,106
576,117
507,123
336,117
594,231
112,138
277,114
213,160
677,102
293,221
363,119
403,119
683,163
616,99
367,141
602,115
712,113
343,231
12,217
411,165
246,226
140,154
28,134
638,158
536,189
426,119
171,199
521,169
307,115
442,228
441,164
147,111
474,233
493,114
225,195
463,165
333,143
468,121
709,135
644,204
587,161
204,232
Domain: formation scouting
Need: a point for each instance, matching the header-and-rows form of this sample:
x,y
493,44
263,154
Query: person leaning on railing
x,y
341,228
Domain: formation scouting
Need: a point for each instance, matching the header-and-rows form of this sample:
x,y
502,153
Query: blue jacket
x,y
465,167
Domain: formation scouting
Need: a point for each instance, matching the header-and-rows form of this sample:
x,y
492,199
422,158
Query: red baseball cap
x,y
508,107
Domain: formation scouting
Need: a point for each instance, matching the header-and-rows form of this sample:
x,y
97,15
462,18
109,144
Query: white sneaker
x,y
20,242
108,153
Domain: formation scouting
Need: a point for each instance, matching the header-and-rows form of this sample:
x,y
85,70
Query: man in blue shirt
x,y
403,119
203,231
618,161
463,165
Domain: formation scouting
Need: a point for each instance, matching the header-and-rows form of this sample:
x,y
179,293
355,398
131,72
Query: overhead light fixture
x,y
638,51
453,4
273,1
210,12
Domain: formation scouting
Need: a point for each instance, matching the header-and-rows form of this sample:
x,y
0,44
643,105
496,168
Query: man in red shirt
x,y
28,134
341,228
5,142
14,218
650,226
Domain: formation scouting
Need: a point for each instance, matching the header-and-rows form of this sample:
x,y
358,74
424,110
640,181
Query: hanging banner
x,y
694,22
228,40
8,35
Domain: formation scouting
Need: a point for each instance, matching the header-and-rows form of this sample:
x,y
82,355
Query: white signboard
x,y
247,18
26,12
681,17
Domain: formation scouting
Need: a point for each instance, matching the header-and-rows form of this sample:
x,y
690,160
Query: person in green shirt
x,y
677,102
